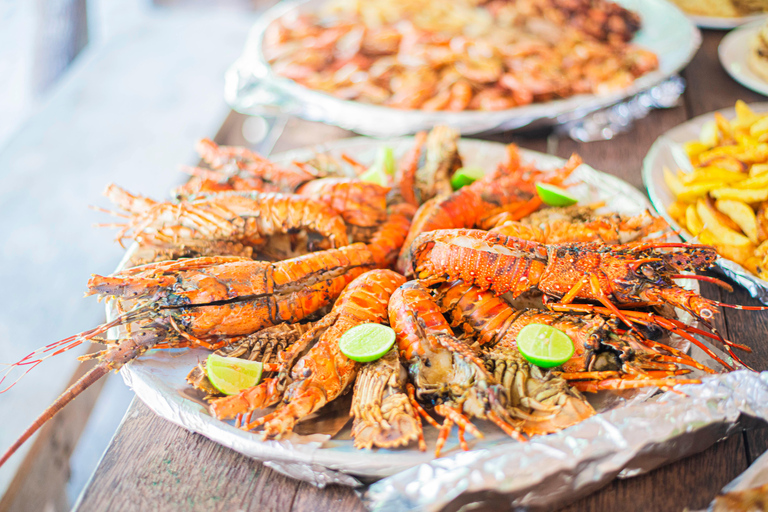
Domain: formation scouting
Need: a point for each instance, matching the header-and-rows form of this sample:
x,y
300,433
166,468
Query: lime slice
x,y
465,176
231,375
367,342
383,167
544,346
555,196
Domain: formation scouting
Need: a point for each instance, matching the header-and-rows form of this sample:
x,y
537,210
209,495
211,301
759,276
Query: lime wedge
x,y
544,346
555,196
465,176
231,375
383,167
367,342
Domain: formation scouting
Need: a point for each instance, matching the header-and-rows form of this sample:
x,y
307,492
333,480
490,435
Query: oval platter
x,y
158,377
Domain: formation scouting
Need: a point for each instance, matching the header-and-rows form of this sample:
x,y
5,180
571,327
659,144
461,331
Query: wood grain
x,y
151,464
692,482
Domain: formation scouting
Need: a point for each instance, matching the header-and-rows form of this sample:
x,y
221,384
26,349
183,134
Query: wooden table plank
x,y
159,466
691,483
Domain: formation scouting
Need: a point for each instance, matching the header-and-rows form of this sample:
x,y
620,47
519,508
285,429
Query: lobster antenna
x,y
737,306
70,394
713,280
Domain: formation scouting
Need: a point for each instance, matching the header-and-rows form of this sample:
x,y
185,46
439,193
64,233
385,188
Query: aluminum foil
x,y
630,435
252,88
667,151
607,123
559,468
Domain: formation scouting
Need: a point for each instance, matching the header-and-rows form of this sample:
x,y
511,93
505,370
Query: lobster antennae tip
x,y
70,394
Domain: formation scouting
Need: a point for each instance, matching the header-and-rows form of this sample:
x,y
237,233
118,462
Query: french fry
x,y
757,170
690,193
708,134
727,162
762,250
673,182
694,148
723,234
742,214
746,195
745,117
724,127
677,211
759,128
693,222
720,216
712,173
759,181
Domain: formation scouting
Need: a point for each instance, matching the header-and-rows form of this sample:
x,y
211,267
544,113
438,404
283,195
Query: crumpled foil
x,y
251,87
667,151
605,124
559,468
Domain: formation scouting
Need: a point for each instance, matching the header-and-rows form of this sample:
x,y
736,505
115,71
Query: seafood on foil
x,y
462,55
275,263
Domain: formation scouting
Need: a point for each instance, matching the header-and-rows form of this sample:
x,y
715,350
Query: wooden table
x,y
152,464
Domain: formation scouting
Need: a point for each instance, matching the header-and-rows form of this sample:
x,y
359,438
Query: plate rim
x,y
733,40
724,23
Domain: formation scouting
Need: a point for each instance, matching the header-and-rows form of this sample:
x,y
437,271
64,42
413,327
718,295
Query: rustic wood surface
x,y
154,465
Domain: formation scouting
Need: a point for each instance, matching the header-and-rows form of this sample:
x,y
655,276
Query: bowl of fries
x,y
709,178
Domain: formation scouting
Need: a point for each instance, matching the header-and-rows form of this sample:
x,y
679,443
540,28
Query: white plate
x,y
734,51
719,23
251,87
667,151
158,377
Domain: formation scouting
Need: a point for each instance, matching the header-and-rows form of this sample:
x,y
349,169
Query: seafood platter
x,y
476,66
273,263
729,186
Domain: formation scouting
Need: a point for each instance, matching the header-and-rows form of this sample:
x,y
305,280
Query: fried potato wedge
x,y
712,173
757,170
693,222
742,214
723,234
746,195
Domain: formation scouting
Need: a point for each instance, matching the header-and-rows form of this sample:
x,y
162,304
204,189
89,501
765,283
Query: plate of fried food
x,y
708,178
743,54
388,68
723,14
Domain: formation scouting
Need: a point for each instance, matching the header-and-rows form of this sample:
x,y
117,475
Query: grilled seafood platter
x,y
468,55
391,68
274,261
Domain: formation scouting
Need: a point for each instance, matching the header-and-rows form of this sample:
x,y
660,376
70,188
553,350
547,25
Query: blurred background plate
x,y
734,51
667,151
719,23
252,88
